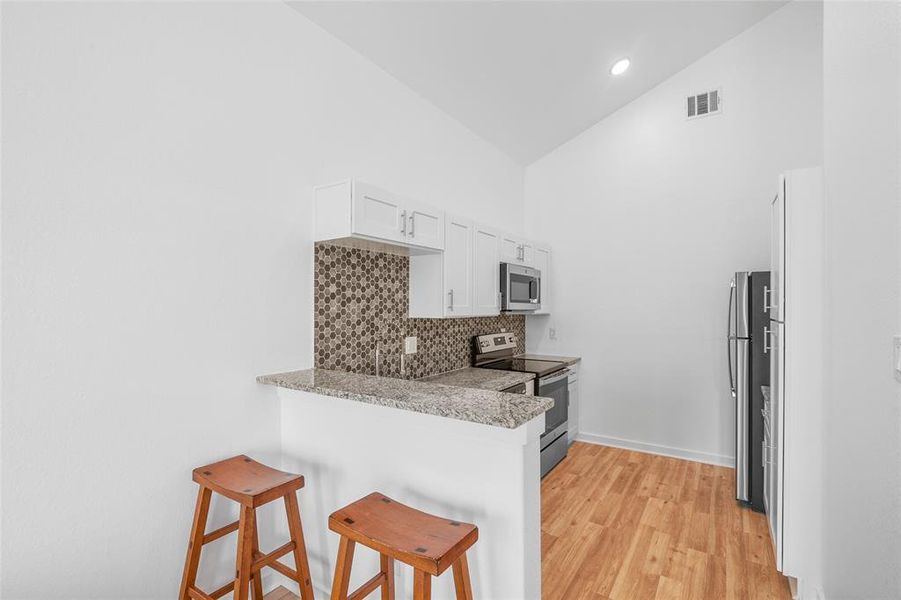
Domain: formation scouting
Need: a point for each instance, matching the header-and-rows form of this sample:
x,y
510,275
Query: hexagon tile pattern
x,y
361,297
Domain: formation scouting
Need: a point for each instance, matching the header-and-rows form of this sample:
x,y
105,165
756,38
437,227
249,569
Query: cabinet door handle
x,y
412,223
450,300
403,222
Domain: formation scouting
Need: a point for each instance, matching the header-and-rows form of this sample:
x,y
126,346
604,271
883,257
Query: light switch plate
x,y
896,356
410,344
552,333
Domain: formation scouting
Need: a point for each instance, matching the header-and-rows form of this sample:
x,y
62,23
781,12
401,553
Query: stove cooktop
x,y
525,365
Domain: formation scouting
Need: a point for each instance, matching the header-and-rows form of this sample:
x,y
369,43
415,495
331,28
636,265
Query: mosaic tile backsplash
x,y
361,299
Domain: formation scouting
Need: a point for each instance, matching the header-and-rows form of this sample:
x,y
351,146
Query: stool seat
x,y
246,481
426,542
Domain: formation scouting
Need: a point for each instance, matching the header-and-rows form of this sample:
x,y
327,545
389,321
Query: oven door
x,y
556,387
520,287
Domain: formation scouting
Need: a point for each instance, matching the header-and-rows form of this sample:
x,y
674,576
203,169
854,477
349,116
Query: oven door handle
x,y
554,378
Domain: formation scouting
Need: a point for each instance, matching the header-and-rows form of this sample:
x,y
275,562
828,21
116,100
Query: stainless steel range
x,y
498,351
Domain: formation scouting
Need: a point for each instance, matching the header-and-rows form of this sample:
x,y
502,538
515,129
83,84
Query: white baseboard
x,y
693,455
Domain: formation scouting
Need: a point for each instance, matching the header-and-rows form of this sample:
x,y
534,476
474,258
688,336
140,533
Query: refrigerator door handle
x,y
741,422
729,338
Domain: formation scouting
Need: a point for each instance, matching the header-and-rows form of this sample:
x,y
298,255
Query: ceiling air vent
x,y
702,105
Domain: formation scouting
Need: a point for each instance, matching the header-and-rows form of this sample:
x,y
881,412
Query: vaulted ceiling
x,y
528,76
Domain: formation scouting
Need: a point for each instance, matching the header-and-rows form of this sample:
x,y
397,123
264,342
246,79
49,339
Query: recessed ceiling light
x,y
620,66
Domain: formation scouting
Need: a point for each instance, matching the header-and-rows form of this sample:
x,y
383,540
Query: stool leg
x,y
461,578
387,565
244,559
256,578
195,542
342,569
422,585
300,548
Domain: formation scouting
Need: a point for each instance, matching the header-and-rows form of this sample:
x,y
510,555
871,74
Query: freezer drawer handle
x,y
766,337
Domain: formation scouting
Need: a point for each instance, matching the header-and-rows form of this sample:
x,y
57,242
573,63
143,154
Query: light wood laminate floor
x,y
621,525
617,524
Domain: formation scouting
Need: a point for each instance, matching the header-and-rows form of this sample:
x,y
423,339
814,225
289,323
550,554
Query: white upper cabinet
x,y
353,209
425,225
454,262
510,248
541,260
486,249
516,250
441,283
377,213
527,252
458,265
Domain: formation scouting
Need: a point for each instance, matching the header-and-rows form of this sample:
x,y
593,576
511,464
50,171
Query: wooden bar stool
x,y
251,484
427,543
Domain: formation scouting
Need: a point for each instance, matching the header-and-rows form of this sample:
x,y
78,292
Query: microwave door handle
x,y
533,291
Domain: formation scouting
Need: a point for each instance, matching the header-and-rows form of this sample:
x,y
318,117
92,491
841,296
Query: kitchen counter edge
x,y
485,407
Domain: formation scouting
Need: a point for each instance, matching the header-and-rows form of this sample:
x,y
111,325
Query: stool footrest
x,y
198,594
225,589
369,587
222,531
265,560
286,571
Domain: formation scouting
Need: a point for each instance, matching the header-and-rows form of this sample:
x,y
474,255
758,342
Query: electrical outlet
x,y
410,344
552,333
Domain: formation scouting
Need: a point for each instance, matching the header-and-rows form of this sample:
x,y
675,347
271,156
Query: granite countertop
x,y
498,409
568,360
483,379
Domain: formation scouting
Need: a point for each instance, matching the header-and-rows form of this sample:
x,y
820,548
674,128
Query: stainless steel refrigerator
x,y
749,370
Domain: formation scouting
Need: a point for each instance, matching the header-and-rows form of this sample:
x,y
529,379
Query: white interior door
x,y
777,254
458,267
775,454
486,271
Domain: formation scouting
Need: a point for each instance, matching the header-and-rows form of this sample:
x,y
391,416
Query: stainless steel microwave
x,y
520,288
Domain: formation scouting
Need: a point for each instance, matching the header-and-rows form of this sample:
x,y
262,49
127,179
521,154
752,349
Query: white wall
x,y
862,137
650,214
157,164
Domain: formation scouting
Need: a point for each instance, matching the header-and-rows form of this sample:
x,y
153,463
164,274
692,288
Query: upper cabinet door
x,y
458,267
511,249
527,254
425,225
541,260
486,271
377,213
776,296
